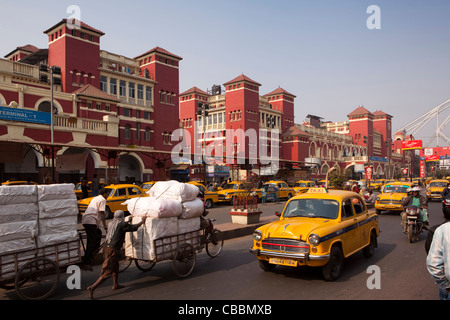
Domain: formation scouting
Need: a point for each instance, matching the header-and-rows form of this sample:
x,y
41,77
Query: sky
x,y
322,51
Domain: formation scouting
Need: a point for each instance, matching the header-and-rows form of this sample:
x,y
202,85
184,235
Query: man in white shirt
x,y
92,217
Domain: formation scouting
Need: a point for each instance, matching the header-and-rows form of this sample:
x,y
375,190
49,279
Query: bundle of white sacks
x,y
172,208
36,216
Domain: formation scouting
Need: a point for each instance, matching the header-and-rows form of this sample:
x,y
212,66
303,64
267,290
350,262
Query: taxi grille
x,y
285,245
391,201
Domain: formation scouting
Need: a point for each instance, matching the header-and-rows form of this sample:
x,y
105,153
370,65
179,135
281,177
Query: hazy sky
x,y
320,50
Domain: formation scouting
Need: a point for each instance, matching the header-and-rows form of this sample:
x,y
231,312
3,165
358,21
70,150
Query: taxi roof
x,y
330,194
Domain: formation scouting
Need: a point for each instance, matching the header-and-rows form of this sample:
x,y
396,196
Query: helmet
x,y
415,189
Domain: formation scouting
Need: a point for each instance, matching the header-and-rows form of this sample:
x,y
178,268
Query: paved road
x,y
235,275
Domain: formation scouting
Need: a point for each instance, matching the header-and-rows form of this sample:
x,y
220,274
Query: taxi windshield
x,y
394,188
438,184
312,208
233,186
300,184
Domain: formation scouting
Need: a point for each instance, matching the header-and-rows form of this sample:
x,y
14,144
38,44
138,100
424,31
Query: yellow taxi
x,y
233,189
302,186
118,193
285,190
79,192
16,183
148,185
391,196
435,188
376,184
210,197
318,228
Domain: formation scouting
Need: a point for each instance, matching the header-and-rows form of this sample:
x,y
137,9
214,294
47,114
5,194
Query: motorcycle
x,y
414,222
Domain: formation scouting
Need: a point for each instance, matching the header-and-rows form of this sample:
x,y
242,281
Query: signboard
x,y
422,168
412,144
433,158
369,172
25,115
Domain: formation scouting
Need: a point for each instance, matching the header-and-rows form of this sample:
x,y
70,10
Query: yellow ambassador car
x,y
232,189
391,196
210,197
302,186
285,190
318,228
118,193
435,188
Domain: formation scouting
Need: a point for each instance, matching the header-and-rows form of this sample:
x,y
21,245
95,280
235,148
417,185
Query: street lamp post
x,y
204,113
54,70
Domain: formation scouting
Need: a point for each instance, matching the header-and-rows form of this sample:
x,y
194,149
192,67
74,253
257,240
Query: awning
x,y
179,167
71,162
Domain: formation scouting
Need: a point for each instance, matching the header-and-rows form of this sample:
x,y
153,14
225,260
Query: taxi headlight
x,y
257,235
314,239
377,199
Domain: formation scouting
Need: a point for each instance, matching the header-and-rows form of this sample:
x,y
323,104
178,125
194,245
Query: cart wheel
x,y
37,279
184,260
124,264
215,243
144,265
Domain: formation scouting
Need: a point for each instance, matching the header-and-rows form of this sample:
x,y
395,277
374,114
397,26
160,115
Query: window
x,y
103,84
99,106
126,112
347,210
138,131
359,207
140,92
131,90
127,132
148,93
123,88
113,86
146,115
147,134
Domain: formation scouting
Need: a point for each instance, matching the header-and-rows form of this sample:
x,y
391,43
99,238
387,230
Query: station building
x,y
112,115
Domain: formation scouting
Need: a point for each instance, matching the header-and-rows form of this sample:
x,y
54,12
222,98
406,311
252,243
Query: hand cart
x,y
35,273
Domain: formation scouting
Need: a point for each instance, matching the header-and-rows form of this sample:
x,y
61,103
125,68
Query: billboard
x,y
412,144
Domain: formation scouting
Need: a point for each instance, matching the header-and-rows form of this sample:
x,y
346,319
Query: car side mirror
x,y
278,214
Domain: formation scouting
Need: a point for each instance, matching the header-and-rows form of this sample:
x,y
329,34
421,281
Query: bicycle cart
x,y
35,273
182,248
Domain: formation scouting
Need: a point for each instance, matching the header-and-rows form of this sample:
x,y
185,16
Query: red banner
x,y
422,168
369,172
432,158
412,144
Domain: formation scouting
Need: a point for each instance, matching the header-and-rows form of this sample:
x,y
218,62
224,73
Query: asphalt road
x,y
235,275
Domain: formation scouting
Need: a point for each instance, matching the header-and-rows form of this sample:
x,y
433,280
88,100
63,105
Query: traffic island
x,y
245,210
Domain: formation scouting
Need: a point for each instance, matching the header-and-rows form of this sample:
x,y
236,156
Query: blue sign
x,y
26,115
379,159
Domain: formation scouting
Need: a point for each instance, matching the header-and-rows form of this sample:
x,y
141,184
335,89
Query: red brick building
x,y
113,114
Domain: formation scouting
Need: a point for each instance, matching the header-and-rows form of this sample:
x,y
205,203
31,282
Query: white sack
x,y
16,245
18,194
188,225
52,239
56,191
192,209
139,244
174,190
58,225
18,230
58,208
153,208
18,212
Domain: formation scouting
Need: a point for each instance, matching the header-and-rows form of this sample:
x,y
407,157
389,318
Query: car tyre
x,y
370,249
266,266
332,270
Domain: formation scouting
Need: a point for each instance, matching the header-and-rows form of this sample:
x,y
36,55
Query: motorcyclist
x,y
414,199
446,192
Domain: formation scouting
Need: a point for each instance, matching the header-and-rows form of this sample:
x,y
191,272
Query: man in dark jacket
x,y
114,242
415,199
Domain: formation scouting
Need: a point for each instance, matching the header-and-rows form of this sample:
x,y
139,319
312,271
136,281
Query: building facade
x,y
112,115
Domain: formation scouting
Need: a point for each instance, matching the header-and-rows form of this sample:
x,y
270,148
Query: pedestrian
x,y
438,259
432,230
114,242
95,185
91,219
371,198
84,187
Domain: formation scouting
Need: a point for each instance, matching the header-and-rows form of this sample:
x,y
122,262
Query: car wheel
x,y
208,203
332,270
370,249
108,213
266,266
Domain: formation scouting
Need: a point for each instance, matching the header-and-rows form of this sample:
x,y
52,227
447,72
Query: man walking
x,y
114,242
438,260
